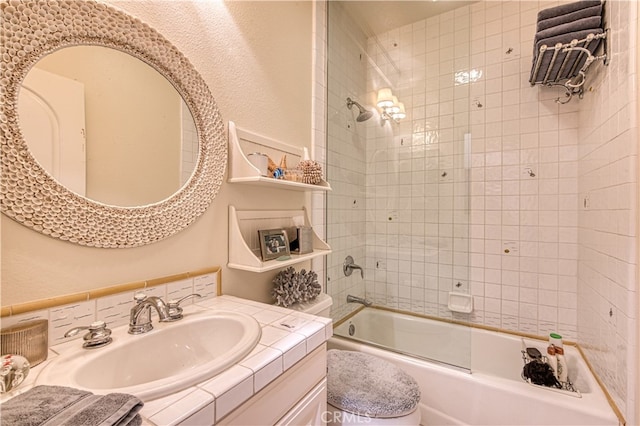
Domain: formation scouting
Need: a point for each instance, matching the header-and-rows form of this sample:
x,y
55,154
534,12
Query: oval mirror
x,y
29,193
107,126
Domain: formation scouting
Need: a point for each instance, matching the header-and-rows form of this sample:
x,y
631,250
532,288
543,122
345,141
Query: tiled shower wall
x,y
346,152
498,221
552,221
607,213
319,130
524,180
418,169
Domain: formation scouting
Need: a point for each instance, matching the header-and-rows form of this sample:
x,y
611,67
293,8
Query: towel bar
x,y
568,64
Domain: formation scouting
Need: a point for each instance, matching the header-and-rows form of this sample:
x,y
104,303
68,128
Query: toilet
x,y
362,388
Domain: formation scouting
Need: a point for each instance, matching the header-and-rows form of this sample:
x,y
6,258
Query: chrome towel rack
x,y
571,56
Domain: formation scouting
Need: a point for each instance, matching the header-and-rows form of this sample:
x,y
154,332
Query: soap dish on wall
x,y
460,302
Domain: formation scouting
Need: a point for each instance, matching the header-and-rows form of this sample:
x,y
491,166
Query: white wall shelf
x,y
242,171
244,246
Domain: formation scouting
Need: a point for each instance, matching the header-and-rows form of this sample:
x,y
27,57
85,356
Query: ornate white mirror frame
x,y
29,195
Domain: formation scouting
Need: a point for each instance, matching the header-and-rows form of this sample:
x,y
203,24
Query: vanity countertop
x,y
287,337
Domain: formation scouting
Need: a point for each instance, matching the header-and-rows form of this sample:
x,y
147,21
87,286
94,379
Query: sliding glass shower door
x,y
400,205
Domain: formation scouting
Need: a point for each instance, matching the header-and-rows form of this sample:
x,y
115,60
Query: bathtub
x,y
487,389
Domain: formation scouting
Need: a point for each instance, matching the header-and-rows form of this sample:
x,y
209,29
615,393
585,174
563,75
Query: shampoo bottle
x,y
563,371
555,339
552,360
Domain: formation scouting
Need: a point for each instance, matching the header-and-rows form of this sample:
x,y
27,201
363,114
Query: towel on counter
x,y
561,25
569,17
59,405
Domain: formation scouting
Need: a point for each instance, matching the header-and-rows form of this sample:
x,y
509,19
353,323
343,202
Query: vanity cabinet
x,y
296,398
310,411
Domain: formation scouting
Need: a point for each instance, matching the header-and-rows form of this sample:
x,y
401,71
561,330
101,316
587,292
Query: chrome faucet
x,y
140,319
362,300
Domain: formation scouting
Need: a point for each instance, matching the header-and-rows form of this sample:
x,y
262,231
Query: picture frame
x,y
273,243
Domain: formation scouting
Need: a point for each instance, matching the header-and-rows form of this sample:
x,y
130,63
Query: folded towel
x,y
570,27
566,8
557,64
59,405
569,17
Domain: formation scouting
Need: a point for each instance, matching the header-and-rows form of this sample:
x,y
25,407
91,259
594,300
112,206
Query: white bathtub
x,y
492,391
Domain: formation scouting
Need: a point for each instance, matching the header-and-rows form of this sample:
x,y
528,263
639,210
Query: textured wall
x,y
256,59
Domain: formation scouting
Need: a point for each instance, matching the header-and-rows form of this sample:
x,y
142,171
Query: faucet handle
x,y
139,297
97,336
349,265
175,311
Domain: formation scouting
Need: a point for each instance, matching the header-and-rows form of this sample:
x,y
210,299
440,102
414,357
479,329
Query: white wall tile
x,y
568,256
605,243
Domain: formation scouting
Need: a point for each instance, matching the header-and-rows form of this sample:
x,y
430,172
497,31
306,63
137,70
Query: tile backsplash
x,y
113,309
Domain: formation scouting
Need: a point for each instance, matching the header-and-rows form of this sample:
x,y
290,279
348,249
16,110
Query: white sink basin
x,y
169,358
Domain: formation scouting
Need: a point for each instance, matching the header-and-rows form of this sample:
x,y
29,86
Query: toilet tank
x,y
320,306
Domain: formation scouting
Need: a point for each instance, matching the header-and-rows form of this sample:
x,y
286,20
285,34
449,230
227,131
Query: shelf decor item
x,y
311,171
285,175
260,161
273,244
290,287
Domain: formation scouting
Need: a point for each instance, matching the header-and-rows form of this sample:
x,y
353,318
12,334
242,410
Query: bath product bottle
x,y
555,339
552,360
563,371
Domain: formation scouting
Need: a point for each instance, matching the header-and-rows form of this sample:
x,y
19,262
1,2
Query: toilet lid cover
x,y
369,386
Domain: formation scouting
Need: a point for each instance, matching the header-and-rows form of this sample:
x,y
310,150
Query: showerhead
x,y
364,115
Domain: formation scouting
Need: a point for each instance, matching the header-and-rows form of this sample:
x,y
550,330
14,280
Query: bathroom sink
x,y
169,358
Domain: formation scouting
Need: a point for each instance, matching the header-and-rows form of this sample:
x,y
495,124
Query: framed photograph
x,y
273,243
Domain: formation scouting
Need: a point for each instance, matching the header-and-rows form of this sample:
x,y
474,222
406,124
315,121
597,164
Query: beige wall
x,y
256,60
637,345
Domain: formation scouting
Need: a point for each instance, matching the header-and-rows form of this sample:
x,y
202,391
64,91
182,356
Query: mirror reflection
x,y
107,126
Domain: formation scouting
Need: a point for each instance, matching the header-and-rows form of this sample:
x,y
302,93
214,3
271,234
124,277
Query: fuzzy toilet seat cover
x,y
368,386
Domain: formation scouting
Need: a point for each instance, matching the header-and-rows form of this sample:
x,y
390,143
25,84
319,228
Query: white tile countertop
x,y
287,337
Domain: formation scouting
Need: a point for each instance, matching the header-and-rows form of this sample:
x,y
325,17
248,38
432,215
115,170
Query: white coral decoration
x,y
291,287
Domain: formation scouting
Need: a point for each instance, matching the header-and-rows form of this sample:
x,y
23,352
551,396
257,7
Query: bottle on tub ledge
x,y
555,339
552,360
562,372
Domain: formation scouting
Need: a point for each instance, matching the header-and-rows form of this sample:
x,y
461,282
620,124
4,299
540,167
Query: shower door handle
x,y
348,266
